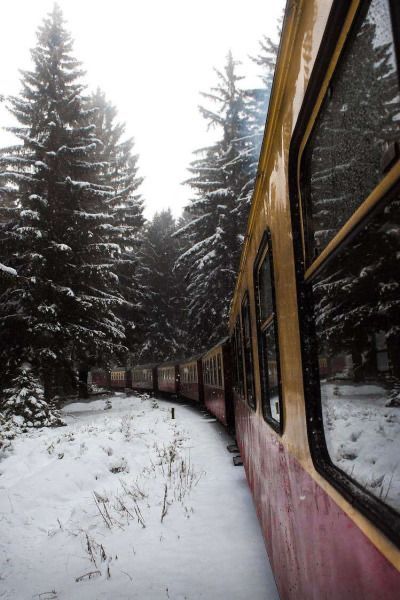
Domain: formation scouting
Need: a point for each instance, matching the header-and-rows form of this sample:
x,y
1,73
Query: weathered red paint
x,y
316,551
167,386
190,390
100,378
214,399
142,385
118,383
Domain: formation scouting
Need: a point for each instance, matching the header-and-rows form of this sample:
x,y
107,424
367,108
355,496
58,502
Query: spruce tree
x,y
61,313
164,325
120,172
24,404
219,174
256,101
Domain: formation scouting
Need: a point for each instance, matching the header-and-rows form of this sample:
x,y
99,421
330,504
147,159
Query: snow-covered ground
x,y
128,503
363,437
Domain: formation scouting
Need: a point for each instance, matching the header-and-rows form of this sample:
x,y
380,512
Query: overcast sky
x,y
152,58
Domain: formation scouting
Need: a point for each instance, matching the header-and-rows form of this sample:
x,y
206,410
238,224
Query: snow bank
x,y
128,503
363,437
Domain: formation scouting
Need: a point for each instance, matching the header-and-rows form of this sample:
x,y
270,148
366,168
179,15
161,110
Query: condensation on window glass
x,y
248,354
357,316
356,135
264,291
273,377
269,367
219,360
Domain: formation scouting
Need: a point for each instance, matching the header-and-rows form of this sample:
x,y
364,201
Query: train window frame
x,y
219,370
354,10
246,301
265,252
342,23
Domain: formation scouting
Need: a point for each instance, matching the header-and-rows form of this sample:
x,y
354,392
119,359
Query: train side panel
x,y
217,383
191,380
316,550
168,378
144,378
321,546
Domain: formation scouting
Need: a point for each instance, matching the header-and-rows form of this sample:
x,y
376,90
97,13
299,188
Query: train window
x,y
355,139
248,353
239,373
268,335
352,342
219,364
357,317
214,370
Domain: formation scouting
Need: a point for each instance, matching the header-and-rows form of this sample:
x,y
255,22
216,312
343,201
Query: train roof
x,y
169,363
152,365
191,358
221,342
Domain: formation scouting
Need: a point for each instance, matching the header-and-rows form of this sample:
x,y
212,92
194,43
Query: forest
x,y
85,279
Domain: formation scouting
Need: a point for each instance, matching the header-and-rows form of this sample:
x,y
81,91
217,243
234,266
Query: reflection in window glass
x,y
269,366
354,138
357,315
219,371
248,354
239,374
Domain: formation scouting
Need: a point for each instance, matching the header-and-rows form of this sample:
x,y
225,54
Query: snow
x,y
8,270
363,437
152,507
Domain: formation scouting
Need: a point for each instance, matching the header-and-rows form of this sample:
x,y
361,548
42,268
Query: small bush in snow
x,y
24,404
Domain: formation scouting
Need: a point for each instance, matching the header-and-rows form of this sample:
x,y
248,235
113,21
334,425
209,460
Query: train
x,y
308,378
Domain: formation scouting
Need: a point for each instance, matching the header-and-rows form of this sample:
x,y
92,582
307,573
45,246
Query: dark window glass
x,y
357,316
239,358
219,362
356,135
248,354
268,337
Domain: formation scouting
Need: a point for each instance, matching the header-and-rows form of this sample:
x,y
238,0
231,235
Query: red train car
x,y
168,378
144,377
120,377
191,379
99,378
318,284
217,383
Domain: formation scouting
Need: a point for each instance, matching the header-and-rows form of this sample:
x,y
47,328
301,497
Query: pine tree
x,y
256,101
219,174
61,313
24,403
120,172
164,325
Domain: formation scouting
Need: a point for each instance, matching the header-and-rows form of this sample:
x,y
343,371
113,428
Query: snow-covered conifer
x,y
120,172
214,234
164,325
61,312
24,404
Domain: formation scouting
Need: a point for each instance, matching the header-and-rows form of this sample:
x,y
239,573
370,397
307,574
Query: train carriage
x,y
191,379
144,377
168,378
314,321
217,382
120,377
99,378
